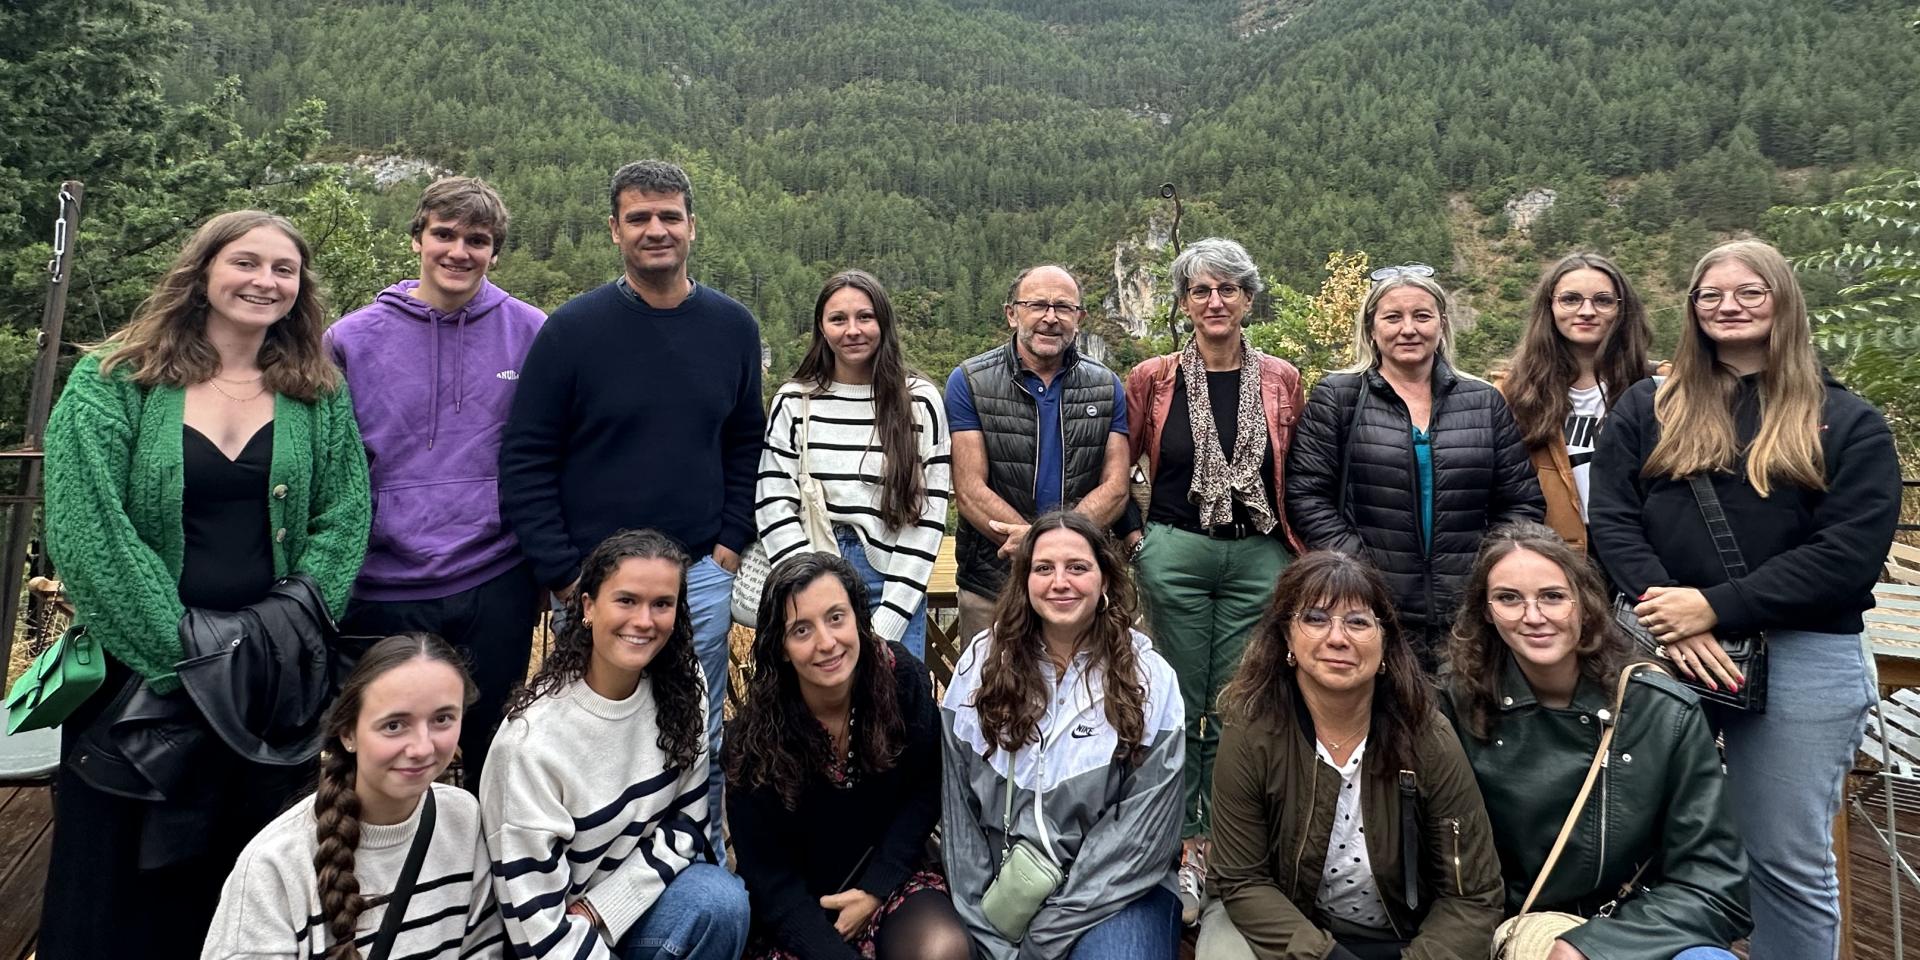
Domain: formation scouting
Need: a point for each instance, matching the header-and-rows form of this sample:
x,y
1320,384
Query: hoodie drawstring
x,y
433,391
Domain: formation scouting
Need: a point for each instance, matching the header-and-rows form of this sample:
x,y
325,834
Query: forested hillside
x,y
945,143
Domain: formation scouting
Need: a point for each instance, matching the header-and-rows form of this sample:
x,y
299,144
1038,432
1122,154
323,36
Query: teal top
x,y
114,479
1423,459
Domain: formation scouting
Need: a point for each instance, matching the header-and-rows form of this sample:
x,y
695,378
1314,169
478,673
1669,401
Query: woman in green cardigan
x,y
205,449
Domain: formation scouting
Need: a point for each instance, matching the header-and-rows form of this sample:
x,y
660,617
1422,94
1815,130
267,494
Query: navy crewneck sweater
x,y
628,417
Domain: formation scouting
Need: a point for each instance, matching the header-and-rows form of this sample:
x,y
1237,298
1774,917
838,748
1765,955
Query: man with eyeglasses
x,y
1036,426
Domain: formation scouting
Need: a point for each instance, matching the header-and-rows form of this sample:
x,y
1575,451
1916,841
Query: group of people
x,y
1327,687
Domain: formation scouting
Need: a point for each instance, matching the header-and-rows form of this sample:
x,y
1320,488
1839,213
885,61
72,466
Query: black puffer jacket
x,y
1481,478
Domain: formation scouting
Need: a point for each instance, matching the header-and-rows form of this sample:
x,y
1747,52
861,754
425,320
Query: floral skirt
x,y
762,947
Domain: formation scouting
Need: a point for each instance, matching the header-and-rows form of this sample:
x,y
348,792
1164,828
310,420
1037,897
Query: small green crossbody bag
x,y
1027,874
58,681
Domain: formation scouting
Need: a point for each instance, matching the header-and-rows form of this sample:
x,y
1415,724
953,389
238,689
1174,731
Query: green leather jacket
x,y
1274,802
1660,800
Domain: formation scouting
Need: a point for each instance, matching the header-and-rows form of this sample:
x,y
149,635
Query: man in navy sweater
x,y
639,406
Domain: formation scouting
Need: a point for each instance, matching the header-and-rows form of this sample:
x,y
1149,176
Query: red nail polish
x,y
1643,596
1713,686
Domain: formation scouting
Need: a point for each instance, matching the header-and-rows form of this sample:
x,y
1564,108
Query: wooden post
x,y
1840,845
66,231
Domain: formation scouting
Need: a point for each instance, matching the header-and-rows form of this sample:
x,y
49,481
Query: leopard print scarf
x,y
1217,483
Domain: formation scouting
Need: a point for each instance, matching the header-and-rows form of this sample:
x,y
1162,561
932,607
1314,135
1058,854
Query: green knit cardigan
x,y
113,507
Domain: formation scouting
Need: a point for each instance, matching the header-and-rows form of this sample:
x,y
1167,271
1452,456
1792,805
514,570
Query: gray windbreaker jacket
x,y
1115,831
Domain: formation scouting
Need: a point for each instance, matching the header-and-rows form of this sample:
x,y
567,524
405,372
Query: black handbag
x,y
1747,651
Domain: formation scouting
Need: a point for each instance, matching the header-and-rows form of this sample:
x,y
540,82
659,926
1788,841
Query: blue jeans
x,y
1704,953
1146,929
710,597
702,915
1788,766
851,548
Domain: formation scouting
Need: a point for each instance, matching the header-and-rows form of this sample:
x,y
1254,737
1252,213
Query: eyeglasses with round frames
x,y
1059,308
1511,607
1750,296
1317,624
1229,293
1602,302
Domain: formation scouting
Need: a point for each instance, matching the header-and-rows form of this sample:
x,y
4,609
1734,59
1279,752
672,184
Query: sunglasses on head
x,y
1405,270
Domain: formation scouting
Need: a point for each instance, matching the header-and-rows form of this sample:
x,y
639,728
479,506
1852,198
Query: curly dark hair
x,y
775,741
336,807
1267,688
1013,697
1475,651
679,695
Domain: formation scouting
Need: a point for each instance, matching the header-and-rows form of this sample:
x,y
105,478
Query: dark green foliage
x,y
944,144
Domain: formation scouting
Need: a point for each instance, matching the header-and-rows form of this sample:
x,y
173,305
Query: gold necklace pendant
x,y
257,394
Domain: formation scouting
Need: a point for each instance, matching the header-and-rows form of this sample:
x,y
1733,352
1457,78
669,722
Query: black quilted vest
x,y
1010,423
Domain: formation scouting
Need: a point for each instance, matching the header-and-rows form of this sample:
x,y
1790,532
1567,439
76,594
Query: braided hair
x,y
336,806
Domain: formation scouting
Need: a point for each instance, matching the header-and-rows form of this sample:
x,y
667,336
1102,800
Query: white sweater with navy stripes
x,y
578,800
270,906
844,454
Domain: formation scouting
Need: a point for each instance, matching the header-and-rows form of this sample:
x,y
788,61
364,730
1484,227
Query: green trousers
x,y
1203,599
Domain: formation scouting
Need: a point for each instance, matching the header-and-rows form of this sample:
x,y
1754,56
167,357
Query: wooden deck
x,y
26,834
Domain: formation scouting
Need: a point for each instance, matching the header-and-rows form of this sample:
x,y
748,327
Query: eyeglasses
x,y
1750,296
1317,623
1229,293
1602,302
1552,604
1404,270
1060,308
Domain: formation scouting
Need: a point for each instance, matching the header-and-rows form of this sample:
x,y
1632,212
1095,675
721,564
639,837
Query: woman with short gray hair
x,y
1214,421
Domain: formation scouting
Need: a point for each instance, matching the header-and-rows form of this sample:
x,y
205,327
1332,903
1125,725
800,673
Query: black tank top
x,y
228,561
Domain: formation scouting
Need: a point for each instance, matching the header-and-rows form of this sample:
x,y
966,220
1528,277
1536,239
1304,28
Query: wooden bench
x,y
943,617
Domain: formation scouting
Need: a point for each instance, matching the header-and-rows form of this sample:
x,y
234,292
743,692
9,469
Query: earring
x,y
1290,660
1383,667
1103,601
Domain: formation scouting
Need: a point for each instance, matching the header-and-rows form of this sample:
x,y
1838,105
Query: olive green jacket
x,y
1273,806
1660,800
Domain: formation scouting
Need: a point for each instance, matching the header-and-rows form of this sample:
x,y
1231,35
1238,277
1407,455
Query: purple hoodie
x,y
431,392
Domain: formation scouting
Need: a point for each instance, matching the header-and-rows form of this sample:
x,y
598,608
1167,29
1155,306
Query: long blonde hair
x,y
165,343
1695,405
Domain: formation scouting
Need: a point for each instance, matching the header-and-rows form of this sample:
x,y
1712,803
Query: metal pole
x,y
1170,192
66,229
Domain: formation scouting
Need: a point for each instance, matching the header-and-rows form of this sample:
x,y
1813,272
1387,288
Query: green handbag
x,y
57,682
1026,878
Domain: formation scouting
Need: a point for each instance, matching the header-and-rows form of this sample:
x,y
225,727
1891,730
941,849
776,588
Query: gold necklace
x,y
252,379
257,394
1333,745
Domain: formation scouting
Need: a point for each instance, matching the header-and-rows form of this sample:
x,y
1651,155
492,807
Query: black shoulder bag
x,y
403,887
1747,651
1346,452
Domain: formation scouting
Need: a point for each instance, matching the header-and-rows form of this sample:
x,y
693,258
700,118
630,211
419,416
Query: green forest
x,y
944,144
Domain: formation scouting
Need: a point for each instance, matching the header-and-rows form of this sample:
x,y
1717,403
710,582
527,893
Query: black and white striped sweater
x,y
844,454
578,800
270,906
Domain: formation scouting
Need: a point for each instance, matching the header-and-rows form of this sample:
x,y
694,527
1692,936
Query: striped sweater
x,y
579,801
270,906
843,453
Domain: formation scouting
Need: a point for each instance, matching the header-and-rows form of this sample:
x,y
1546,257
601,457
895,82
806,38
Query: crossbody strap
x,y
403,888
806,424
1607,724
1723,541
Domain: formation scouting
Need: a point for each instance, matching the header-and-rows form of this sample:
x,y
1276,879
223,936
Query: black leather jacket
x,y
1661,800
1481,477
